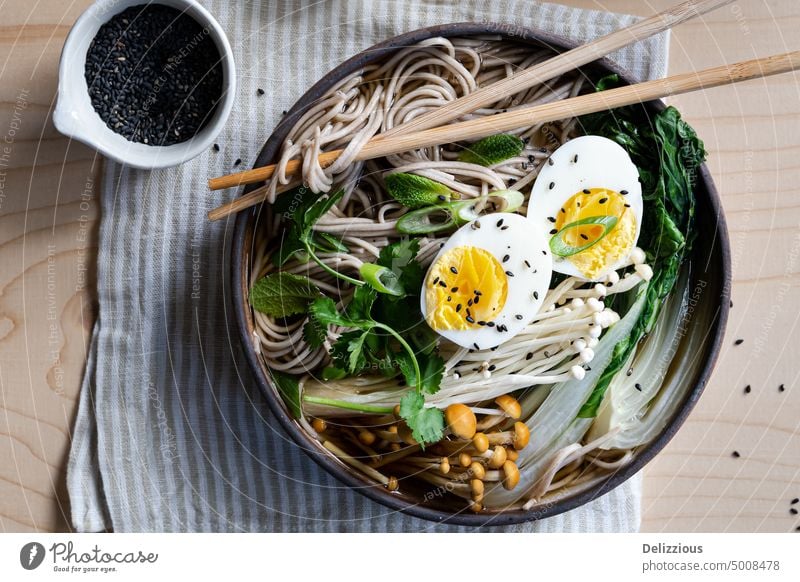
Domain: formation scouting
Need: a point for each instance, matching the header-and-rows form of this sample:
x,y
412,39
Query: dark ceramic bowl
x,y
694,359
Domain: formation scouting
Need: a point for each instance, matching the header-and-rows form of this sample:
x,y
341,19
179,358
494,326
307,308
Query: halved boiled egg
x,y
488,281
589,198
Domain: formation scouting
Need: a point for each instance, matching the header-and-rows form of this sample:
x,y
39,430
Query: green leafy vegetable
x,y
562,249
414,191
426,424
289,389
668,154
379,323
282,294
492,150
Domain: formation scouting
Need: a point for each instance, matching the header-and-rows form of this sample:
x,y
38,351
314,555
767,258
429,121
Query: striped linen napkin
x,y
171,433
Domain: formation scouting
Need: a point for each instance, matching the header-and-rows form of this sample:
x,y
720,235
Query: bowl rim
x,y
240,255
75,117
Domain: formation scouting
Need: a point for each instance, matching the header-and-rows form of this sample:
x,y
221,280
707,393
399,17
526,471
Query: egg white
x,y
601,163
526,288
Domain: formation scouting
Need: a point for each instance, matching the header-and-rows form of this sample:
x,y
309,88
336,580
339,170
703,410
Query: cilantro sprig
x,y
372,339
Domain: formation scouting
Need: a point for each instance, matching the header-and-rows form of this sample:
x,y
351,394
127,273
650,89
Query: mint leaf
x,y
492,150
414,191
289,389
282,294
426,424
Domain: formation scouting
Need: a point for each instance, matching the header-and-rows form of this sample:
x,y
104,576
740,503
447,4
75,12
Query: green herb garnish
x,y
282,294
492,150
289,389
562,249
415,191
454,214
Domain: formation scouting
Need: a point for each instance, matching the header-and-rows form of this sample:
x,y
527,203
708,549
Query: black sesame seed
x,y
260,91
544,253
563,211
747,389
505,258
735,454
492,368
454,270
481,322
793,511
551,219
623,192
476,346
518,317
795,501
551,186
550,161
731,304
478,293
237,162
470,302
781,388
453,289
531,158
284,112
442,284
529,355
527,264
441,198
139,84
738,342
575,159
543,150
500,222
490,323
554,231
627,205
436,280
584,237
504,227
629,372
477,300
638,386
216,147
536,295
602,201
449,298
469,319
587,191
578,204
458,308
509,273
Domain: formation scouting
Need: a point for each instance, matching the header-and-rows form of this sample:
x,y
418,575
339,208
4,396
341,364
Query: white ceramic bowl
x,y
75,117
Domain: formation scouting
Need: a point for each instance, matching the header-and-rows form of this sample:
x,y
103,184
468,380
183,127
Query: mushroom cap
x,y
522,435
509,405
461,420
499,457
481,442
510,475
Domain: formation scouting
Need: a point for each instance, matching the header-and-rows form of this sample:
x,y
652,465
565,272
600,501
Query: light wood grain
x,y
752,132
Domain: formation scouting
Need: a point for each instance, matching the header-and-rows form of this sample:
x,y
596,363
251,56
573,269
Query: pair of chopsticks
x,y
432,128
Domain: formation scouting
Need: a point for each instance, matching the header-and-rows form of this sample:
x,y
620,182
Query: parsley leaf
x,y
289,389
426,424
282,294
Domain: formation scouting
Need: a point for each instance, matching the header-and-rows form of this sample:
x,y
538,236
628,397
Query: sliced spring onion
x,y
562,249
381,279
454,214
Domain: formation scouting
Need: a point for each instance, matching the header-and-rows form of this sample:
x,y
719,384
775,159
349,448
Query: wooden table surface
x,y
48,244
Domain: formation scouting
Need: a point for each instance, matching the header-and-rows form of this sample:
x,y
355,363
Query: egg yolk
x,y
465,288
611,248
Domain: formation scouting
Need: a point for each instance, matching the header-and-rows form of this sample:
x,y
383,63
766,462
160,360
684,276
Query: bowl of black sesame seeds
x,y
148,84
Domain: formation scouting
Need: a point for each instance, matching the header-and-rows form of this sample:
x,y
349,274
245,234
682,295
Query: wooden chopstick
x,y
525,79
576,106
